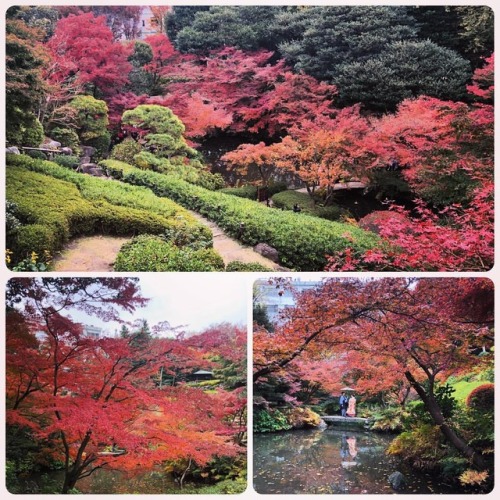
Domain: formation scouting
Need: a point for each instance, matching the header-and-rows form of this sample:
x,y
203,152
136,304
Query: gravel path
x,y
98,253
89,253
231,249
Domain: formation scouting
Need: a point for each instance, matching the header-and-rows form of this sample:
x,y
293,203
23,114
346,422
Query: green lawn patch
x,y
287,199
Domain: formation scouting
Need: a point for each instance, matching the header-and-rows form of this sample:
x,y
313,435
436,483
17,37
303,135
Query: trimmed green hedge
x,y
154,254
249,192
238,266
303,242
55,204
287,199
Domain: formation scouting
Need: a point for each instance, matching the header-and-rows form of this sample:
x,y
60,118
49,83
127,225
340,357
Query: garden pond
x,y
333,461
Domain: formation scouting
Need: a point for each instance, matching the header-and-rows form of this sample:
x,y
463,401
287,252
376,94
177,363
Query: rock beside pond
x,y
13,150
52,145
267,251
66,151
397,481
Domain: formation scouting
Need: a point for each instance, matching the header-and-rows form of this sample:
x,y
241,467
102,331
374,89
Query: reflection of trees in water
x,y
315,462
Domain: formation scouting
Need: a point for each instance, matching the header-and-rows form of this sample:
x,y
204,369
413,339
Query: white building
x,y
277,299
93,332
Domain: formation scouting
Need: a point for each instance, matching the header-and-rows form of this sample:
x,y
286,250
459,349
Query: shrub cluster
x,y
267,421
238,266
68,161
191,171
302,241
482,398
154,254
54,204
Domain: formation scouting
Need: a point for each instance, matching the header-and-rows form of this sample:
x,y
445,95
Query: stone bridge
x,y
338,421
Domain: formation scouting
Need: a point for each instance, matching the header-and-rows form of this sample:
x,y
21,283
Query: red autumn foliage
x,y
381,334
96,401
83,49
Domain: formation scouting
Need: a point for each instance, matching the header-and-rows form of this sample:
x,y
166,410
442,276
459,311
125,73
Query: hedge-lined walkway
x,y
92,253
230,249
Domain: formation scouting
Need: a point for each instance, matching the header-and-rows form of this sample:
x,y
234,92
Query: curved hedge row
x,y
301,240
54,204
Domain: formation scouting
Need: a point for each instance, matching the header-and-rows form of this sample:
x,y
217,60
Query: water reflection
x,y
330,461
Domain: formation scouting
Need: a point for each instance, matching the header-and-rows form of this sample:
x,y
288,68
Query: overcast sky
x,y
193,300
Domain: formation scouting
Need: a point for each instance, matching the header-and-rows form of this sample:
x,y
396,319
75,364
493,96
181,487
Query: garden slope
x,y
303,241
55,204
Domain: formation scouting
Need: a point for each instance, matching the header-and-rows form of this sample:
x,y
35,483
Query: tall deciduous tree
x,y
96,402
413,324
85,50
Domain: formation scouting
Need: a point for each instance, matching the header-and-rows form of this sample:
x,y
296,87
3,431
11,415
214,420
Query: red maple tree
x,y
416,328
84,50
96,403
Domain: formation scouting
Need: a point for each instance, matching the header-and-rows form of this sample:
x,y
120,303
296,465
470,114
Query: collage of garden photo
x,y
248,248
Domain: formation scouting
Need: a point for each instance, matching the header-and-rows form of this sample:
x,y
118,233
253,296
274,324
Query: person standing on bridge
x,y
351,409
343,402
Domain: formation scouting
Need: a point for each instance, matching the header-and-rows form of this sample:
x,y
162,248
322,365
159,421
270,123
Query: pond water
x,y
332,461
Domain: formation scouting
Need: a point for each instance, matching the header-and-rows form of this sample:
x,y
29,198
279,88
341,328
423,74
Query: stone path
x,y
98,253
92,253
230,249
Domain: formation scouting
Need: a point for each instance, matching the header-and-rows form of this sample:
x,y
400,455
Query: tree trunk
x,y
70,479
452,437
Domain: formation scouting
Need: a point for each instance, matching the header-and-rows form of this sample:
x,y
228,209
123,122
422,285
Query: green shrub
x,y
287,199
55,204
249,192
301,241
12,223
237,266
68,161
209,180
389,420
421,445
67,137
148,161
265,421
126,150
100,143
38,155
276,187
153,254
33,135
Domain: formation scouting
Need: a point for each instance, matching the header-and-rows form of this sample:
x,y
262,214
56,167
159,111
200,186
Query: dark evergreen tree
x,y
243,27
477,32
24,85
141,82
261,318
182,16
404,70
340,35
